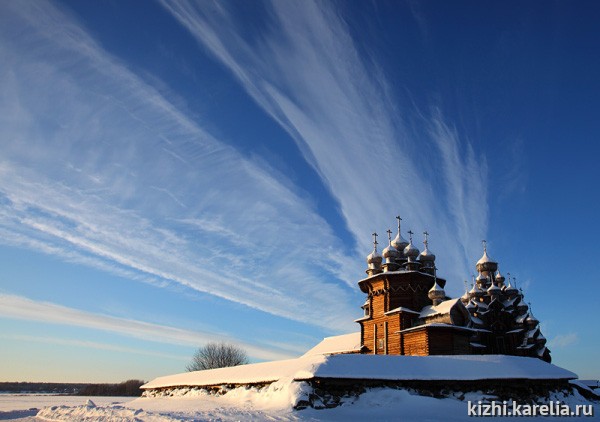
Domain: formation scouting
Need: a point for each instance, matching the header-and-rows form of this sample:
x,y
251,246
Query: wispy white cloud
x,y
91,345
19,307
305,70
563,340
99,167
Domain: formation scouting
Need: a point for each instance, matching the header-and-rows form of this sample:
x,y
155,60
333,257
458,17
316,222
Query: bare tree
x,y
217,355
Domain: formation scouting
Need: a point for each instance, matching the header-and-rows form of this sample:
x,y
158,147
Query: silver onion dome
x,y
399,242
476,291
499,278
531,321
481,279
410,250
486,263
374,258
390,253
494,290
510,290
436,293
426,255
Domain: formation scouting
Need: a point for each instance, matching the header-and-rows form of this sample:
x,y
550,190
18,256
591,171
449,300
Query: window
x,y
380,344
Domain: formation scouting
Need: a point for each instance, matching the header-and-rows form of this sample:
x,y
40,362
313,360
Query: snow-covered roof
x,y
442,308
373,367
401,309
399,271
438,325
345,343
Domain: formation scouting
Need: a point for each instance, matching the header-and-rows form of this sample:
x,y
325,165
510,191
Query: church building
x,y
407,312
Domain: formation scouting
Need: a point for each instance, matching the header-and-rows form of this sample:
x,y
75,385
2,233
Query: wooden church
x,y
408,313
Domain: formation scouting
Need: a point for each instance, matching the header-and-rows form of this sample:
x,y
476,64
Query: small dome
x,y
390,253
410,251
510,290
426,255
499,278
399,242
522,306
465,297
494,290
531,320
486,263
374,258
436,292
484,259
481,279
476,291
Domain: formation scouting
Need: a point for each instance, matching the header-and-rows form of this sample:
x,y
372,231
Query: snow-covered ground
x,y
252,404
26,406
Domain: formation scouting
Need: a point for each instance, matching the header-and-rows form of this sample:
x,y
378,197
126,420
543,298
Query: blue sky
x,y
177,173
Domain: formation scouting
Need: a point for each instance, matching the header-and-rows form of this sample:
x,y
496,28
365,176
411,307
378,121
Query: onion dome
x,y
476,291
499,278
410,251
494,290
436,294
510,290
522,307
426,255
465,297
390,253
481,280
531,320
485,263
399,243
374,259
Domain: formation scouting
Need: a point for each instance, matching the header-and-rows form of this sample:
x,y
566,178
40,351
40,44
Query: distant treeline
x,y
126,388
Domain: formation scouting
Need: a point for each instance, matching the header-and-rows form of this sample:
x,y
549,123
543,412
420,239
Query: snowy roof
x,y
442,308
373,367
337,344
437,325
401,309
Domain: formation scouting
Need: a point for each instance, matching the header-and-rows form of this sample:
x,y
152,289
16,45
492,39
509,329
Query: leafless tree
x,y
217,355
